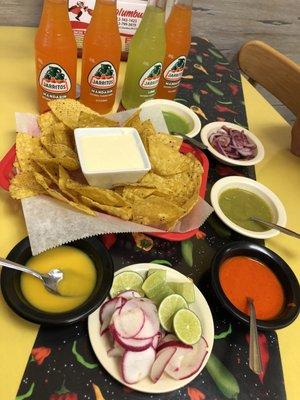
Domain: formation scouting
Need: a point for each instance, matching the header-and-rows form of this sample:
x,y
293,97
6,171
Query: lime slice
x,y
185,289
127,280
168,307
154,283
187,326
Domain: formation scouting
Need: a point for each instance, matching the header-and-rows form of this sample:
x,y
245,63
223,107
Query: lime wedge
x,y
153,284
152,270
185,289
168,307
164,291
127,280
187,326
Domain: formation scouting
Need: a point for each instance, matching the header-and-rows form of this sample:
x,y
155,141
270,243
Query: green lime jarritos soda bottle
x,y
146,55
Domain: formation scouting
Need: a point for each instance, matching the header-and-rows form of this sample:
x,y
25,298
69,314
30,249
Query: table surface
x,y
279,171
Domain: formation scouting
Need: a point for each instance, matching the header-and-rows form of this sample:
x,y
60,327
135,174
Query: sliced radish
x,y
151,325
129,322
155,340
167,338
129,294
160,363
115,351
137,365
173,343
130,344
107,309
186,362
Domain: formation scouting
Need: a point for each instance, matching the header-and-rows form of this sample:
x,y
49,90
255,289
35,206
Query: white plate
x,y
240,182
100,344
214,126
179,109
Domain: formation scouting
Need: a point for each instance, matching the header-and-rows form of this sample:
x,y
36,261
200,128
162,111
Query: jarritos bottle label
x,y
54,81
174,71
150,78
102,78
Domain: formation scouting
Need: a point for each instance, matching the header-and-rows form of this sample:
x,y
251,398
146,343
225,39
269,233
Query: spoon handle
x,y
254,351
10,264
278,227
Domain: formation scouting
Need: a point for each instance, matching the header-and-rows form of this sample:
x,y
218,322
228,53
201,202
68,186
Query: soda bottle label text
x,y
102,78
150,78
54,81
174,71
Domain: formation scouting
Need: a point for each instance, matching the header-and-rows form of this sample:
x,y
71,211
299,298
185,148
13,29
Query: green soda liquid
x,y
146,55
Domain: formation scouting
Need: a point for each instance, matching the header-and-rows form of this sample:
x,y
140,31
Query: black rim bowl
x,y
281,269
10,284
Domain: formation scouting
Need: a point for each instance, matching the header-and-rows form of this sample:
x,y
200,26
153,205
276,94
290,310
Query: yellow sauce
x,y
110,152
78,283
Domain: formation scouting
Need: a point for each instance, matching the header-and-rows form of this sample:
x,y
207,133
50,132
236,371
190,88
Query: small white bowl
x,y
231,182
179,109
214,126
109,176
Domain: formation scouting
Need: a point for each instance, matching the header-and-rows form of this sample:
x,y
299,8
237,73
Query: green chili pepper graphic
x,y
199,58
162,262
80,359
27,394
187,252
224,334
215,90
215,53
224,379
196,97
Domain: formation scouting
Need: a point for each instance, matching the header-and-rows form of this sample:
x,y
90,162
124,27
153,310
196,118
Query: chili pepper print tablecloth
x,y
62,365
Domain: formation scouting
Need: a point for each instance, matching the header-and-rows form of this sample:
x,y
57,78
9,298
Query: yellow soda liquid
x,y
146,55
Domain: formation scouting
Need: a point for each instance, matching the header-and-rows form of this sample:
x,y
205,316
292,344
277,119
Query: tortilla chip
x,y
46,120
146,131
58,196
87,120
134,121
63,135
68,111
48,167
24,185
165,160
172,141
28,147
63,155
102,196
135,193
120,212
157,212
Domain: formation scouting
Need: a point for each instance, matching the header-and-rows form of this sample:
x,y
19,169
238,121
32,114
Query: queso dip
x,y
79,279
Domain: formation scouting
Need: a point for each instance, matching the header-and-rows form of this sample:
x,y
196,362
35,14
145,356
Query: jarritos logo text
x,y
54,81
174,71
102,78
150,78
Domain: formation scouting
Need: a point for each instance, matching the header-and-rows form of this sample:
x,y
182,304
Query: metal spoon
x,y
50,279
254,350
275,226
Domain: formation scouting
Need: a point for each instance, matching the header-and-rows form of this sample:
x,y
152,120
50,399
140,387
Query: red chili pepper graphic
x,y
221,119
200,235
40,353
195,394
188,86
109,239
203,91
224,109
220,68
264,351
63,394
233,88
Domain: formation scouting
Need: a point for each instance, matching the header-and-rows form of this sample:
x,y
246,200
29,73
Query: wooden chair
x,y
276,73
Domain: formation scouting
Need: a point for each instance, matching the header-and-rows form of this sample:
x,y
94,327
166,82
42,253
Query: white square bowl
x,y
107,178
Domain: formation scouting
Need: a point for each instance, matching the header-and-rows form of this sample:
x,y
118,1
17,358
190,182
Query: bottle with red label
x,y
146,55
55,55
101,58
178,36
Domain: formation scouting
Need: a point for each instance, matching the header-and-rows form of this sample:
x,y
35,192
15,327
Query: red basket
x,y
6,166
175,237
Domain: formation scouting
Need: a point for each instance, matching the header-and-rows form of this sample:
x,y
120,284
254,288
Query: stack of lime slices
x,y
171,298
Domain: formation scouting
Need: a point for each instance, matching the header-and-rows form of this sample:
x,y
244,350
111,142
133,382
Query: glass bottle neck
x,y
158,3
54,10
186,3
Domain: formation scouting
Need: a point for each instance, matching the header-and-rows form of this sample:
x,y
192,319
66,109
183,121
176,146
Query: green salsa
x,y
239,205
175,123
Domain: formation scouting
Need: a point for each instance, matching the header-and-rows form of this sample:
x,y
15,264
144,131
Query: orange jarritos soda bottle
x,y
146,55
55,55
178,36
101,58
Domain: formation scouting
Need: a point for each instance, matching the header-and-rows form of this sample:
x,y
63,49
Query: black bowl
x,y
10,284
283,272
